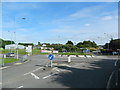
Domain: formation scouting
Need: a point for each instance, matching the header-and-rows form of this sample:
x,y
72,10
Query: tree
x,y
26,44
39,43
114,44
5,42
86,44
69,42
80,45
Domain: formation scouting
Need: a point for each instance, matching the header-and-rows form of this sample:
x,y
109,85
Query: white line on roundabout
x,y
49,75
108,83
116,62
20,87
35,76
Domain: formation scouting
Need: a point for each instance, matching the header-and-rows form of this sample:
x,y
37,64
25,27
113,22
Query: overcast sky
x,y
59,22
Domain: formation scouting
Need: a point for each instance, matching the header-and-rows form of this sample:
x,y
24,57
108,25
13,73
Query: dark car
x,y
10,55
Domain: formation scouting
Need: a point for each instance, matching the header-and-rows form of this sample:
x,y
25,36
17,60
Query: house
x,y
14,46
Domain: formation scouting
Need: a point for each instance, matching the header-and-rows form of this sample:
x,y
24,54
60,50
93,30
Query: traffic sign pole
x,y
50,63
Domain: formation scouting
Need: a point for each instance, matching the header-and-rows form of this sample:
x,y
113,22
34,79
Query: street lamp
x,y
16,45
11,40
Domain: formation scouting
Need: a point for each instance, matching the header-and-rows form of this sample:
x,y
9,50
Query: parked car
x,y
10,55
115,53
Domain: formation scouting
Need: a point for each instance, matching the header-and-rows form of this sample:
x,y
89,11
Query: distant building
x,y
14,46
44,47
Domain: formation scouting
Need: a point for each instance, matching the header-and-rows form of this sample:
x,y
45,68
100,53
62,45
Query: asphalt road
x,y
80,73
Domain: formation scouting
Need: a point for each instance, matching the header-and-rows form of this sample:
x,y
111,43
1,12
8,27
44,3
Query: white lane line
x,y
108,83
33,71
0,83
68,65
36,77
116,62
20,87
56,73
49,75
57,69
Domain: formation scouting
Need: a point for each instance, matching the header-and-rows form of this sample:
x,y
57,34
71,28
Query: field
x,y
37,51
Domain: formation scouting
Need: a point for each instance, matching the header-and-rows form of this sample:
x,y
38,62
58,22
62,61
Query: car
x,y
115,53
10,55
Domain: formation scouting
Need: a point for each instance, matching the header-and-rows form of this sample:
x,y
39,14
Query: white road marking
x,y
116,62
20,87
56,72
49,75
33,71
56,69
68,65
36,77
0,83
108,83
4,67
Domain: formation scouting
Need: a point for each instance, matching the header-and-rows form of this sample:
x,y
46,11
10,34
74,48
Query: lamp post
x,y
11,40
16,48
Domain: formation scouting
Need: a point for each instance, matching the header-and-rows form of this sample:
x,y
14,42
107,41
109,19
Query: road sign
x,y
50,57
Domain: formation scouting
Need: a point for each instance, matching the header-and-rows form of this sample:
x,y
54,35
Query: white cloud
x,y
70,31
24,30
87,25
88,13
107,18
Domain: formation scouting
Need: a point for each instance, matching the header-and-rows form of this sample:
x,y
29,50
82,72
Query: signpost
x,y
50,57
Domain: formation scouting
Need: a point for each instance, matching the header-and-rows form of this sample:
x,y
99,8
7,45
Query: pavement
x,y
79,73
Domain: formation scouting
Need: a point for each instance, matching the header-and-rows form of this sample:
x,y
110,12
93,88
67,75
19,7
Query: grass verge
x,y
8,60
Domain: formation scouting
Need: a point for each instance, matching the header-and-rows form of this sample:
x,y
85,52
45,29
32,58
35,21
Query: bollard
x,y
69,59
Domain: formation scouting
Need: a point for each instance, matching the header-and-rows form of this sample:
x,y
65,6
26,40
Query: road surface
x,y
80,73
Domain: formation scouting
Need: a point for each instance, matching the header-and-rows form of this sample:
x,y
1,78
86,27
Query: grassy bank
x,y
9,60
